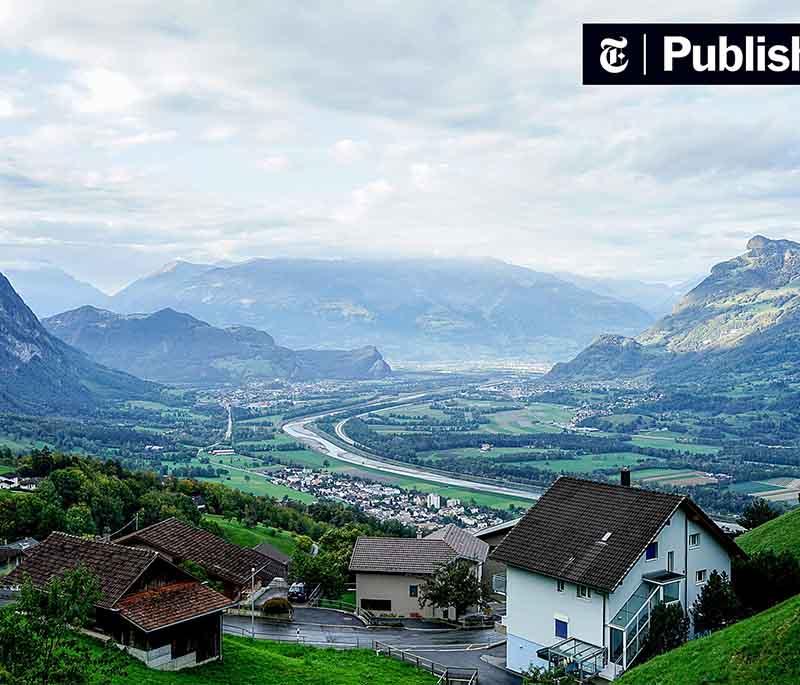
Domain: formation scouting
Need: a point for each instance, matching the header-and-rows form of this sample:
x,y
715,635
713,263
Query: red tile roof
x,y
155,609
218,557
115,566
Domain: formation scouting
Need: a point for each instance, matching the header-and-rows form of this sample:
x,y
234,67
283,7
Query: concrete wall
x,y
533,605
395,587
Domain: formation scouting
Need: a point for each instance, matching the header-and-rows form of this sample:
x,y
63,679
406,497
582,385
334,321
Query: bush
x,y
716,606
765,579
276,607
669,628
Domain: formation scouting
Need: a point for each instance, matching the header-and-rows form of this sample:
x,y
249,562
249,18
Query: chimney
x,y
419,533
625,477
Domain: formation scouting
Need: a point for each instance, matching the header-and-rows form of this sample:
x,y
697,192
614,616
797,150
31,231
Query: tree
x,y
38,639
716,606
669,628
453,585
765,578
759,511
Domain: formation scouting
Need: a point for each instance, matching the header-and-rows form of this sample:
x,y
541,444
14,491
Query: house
x,y
588,562
11,554
276,555
236,568
434,501
161,614
390,571
9,481
494,571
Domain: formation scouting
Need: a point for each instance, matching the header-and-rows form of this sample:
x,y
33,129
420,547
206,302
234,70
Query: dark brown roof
x,y
115,566
561,534
170,604
218,557
464,544
273,553
413,556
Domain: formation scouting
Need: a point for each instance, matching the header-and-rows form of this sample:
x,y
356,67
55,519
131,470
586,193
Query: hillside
x,y
172,347
248,662
410,308
782,534
41,374
743,319
762,649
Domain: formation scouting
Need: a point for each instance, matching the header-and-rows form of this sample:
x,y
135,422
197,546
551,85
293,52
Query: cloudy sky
x,y
134,133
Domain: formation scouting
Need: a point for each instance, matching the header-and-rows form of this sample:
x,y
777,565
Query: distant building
x,y
390,571
8,481
12,554
222,561
486,447
161,614
454,503
434,501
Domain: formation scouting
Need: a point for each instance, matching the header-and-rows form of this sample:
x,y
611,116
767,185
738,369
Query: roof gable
x,y
464,544
587,532
217,556
116,567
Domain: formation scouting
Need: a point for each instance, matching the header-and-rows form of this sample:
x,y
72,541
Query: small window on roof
x,y
605,537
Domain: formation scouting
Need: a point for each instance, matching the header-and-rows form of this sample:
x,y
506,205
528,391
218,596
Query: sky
x,y
135,133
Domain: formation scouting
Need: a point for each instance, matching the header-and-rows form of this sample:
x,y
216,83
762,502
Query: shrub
x,y
276,606
716,606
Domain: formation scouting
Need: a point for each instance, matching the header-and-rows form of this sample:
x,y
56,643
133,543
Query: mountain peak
x,y
760,242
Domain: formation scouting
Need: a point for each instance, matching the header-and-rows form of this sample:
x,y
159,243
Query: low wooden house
x,y
161,614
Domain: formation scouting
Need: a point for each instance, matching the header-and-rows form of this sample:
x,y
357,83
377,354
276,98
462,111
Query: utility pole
x,y
253,602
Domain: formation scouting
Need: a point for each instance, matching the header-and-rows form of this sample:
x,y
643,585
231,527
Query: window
x,y
562,629
700,576
672,592
651,552
413,590
584,592
560,586
376,604
694,540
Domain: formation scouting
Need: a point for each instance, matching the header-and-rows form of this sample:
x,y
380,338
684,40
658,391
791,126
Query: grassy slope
x,y
240,535
762,649
260,662
780,534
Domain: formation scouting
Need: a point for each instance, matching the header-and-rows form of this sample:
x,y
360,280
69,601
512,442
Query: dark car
x,y
297,592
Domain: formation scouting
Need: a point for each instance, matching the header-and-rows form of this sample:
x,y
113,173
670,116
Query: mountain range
x,y
412,309
743,319
41,374
172,347
47,289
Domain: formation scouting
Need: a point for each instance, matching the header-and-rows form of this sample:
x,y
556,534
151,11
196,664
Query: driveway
x,y
457,648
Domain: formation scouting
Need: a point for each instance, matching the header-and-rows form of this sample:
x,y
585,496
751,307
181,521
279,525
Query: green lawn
x,y
779,535
240,535
762,649
260,662
258,485
661,441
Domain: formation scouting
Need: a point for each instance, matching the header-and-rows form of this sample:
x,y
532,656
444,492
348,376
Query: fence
x,y
447,674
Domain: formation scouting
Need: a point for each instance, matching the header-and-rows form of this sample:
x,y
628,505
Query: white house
x,y
588,562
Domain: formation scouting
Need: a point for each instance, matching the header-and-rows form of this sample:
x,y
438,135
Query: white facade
x,y
535,601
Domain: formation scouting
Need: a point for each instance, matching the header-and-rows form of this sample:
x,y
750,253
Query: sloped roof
x,y
115,566
217,556
592,533
170,604
561,535
413,556
465,545
272,552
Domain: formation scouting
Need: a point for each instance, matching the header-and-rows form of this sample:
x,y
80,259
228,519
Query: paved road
x,y
454,648
299,430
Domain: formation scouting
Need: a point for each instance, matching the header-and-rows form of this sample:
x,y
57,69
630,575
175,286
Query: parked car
x,y
297,593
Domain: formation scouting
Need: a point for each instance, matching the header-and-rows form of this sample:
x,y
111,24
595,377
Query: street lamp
x,y
253,602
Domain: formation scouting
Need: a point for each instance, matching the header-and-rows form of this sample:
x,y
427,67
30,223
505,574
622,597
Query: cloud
x,y
274,163
362,200
348,151
219,133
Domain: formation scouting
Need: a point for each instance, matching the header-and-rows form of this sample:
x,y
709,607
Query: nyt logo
x,y
691,54
612,57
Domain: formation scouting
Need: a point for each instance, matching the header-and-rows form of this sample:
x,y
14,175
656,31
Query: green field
x,y
243,536
256,662
534,418
762,649
258,485
665,441
779,535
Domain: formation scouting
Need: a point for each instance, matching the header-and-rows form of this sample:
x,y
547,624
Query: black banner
x,y
691,54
